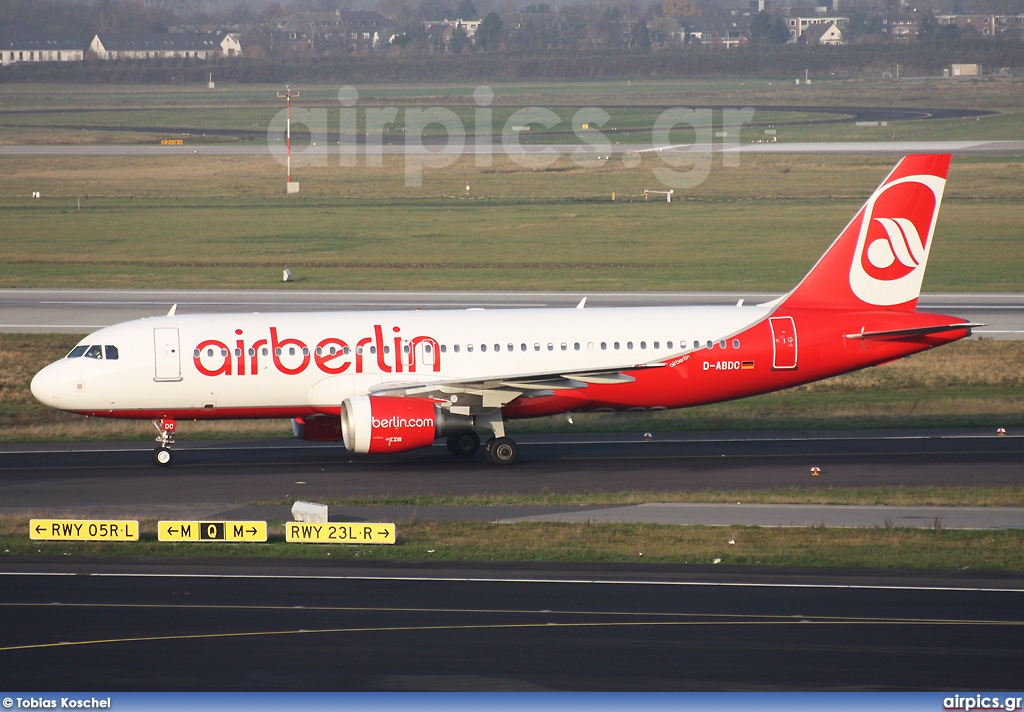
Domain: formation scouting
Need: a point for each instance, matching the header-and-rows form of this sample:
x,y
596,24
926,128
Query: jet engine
x,y
376,424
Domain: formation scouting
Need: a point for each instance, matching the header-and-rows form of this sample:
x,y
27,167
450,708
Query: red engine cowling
x,y
376,424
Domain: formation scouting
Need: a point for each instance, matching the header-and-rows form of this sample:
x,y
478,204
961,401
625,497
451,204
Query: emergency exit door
x,y
783,342
167,355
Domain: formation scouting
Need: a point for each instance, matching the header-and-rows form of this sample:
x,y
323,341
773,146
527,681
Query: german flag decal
x,y
746,365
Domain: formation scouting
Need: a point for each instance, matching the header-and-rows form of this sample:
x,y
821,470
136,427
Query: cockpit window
x,y
77,351
94,352
110,352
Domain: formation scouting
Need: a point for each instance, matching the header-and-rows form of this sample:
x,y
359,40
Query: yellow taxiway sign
x,y
212,531
340,533
83,530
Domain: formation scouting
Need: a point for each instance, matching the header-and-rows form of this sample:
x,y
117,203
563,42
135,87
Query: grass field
x,y
58,114
629,543
202,222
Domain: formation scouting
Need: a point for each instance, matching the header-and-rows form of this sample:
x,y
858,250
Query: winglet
x,y
582,303
173,309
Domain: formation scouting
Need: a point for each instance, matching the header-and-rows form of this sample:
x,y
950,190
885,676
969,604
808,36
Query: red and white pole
x,y
287,96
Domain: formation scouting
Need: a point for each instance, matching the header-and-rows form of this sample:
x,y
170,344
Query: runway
x,y
211,479
159,625
156,623
85,310
462,147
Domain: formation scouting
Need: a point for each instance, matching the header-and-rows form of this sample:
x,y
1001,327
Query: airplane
x,y
393,381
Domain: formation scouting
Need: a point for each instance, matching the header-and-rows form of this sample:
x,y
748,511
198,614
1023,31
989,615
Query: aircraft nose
x,y
44,386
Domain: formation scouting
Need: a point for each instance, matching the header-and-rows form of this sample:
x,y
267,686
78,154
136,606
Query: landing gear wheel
x,y
464,444
162,456
502,451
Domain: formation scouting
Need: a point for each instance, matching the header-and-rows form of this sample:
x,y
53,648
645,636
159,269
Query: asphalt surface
x,y
84,310
122,625
981,148
128,624
224,479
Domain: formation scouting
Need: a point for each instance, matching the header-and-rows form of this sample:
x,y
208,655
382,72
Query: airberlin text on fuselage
x,y
331,355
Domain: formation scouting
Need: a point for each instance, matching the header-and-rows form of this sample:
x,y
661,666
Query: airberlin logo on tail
x,y
894,240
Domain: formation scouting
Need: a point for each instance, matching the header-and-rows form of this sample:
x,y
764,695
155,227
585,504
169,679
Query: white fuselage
x,y
285,360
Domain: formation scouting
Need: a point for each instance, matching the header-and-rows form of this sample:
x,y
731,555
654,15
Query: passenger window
x,y
444,348
266,351
110,353
511,347
373,350
305,351
456,347
604,345
616,345
387,350
79,351
536,347
522,347
590,346
94,352
252,352
723,344
576,346
469,348
657,344
735,343
483,347
291,350
564,347
497,347
238,352
643,344
668,345
277,352
551,347
711,344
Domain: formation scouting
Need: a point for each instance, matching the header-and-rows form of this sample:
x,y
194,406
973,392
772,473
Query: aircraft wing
x,y
476,397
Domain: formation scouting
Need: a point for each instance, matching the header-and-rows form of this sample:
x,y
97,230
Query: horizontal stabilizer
x,y
920,331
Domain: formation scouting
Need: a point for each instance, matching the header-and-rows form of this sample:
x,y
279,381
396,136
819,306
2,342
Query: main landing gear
x,y
464,444
162,454
501,451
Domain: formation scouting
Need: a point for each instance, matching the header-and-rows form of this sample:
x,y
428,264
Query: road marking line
x,y
450,579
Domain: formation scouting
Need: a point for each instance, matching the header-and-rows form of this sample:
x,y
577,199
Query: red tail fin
x,y
879,259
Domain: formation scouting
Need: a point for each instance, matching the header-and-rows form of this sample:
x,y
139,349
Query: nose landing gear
x,y
162,453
